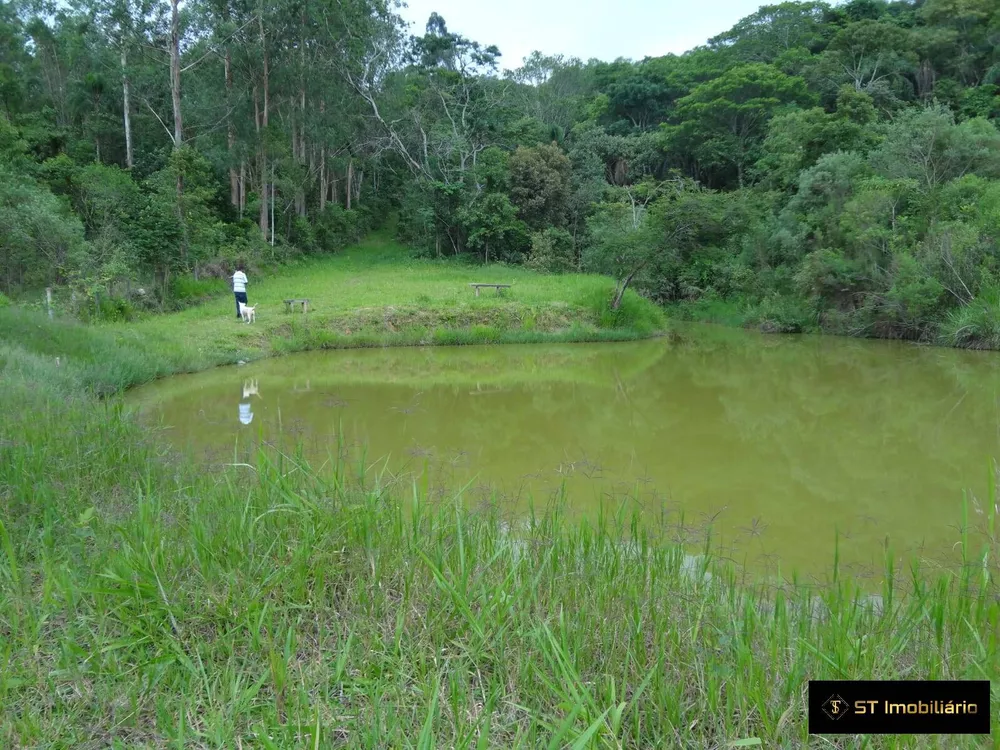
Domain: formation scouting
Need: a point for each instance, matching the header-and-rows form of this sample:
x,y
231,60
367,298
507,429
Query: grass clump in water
x,y
976,325
634,313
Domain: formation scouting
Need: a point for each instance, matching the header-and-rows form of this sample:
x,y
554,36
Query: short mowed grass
x,y
148,603
377,294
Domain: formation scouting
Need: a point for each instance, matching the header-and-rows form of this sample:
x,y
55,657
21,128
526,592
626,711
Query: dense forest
x,y
817,166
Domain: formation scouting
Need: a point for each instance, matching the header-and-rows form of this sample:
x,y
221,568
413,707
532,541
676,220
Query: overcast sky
x,y
605,29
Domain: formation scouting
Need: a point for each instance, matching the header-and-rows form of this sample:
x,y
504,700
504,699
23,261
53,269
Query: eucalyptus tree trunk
x,y
234,177
175,72
175,95
126,110
300,195
322,163
350,180
262,127
322,179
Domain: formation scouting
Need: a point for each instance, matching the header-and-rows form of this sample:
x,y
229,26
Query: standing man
x,y
240,287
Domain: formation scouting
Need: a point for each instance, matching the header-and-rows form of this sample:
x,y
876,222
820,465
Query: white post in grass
x,y
48,299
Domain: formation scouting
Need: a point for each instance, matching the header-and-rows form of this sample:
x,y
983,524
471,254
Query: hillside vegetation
x,y
816,167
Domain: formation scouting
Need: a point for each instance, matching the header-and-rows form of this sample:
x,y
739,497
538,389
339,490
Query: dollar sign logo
x,y
835,707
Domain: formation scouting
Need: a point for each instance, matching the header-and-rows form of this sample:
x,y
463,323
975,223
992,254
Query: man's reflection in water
x,y
249,389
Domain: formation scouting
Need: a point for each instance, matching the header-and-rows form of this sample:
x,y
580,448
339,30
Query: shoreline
x,y
324,340
734,315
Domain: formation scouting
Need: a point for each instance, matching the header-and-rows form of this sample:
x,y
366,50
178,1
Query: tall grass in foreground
x,y
274,605
145,602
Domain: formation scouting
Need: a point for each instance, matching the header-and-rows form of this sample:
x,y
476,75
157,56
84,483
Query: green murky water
x,y
778,441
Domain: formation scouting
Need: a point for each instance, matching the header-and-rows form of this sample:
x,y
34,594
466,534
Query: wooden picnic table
x,y
498,287
290,303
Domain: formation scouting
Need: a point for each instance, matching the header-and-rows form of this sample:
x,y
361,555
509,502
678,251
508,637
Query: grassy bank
x,y
146,604
973,326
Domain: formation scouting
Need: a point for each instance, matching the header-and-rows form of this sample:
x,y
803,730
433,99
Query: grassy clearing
x,y
375,294
144,604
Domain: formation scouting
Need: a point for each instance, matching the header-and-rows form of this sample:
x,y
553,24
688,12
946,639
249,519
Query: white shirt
x,y
239,282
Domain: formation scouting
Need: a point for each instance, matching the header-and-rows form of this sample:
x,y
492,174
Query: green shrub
x,y
733,278
304,235
114,310
975,325
336,227
186,290
240,240
448,337
731,312
781,314
911,306
829,279
635,312
4,300
551,251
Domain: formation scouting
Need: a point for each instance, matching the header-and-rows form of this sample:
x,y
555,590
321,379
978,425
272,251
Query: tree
x,y
873,222
981,101
796,140
870,56
14,60
811,218
556,90
623,240
492,222
551,251
775,29
973,24
41,242
124,23
722,122
927,146
539,185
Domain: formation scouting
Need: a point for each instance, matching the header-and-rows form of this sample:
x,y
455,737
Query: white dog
x,y
249,313
250,388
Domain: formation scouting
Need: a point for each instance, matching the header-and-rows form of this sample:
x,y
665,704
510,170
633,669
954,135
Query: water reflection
x,y
250,388
776,443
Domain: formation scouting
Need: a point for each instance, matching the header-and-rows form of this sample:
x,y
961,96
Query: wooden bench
x,y
290,304
498,287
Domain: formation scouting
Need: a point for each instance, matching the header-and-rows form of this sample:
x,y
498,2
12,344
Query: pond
x,y
778,443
